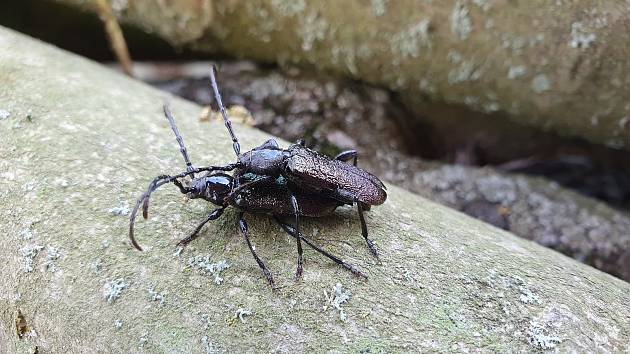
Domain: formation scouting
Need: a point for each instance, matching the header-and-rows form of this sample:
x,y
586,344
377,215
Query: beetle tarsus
x,y
364,230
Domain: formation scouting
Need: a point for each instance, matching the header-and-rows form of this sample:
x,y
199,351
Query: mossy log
x,y
80,142
557,65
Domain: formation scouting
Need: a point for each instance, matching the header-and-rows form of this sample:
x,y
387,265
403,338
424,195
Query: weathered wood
x,y
557,65
79,140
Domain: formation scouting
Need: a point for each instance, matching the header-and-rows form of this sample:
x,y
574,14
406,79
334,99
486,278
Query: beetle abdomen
x,y
274,198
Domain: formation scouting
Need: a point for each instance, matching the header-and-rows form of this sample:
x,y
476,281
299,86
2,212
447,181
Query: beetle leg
x,y
296,212
291,231
364,230
347,155
215,214
242,225
347,197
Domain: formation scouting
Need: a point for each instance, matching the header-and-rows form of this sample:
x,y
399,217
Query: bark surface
x,y
79,144
557,65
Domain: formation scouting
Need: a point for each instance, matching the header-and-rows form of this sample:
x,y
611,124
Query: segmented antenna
x,y
180,141
160,181
226,120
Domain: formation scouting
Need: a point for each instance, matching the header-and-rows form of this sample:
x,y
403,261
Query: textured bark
x,y
558,65
79,140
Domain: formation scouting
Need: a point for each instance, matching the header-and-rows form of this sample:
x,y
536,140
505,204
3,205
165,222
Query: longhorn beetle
x,y
271,196
302,175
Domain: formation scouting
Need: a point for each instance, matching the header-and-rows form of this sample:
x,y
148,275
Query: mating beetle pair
x,y
293,182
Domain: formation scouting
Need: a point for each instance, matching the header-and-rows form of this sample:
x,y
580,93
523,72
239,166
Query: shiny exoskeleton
x,y
296,181
308,170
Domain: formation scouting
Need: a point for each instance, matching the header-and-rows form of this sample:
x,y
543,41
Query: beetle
x,y
308,171
247,192
301,171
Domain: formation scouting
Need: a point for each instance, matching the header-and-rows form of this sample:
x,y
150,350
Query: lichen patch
x,y
407,43
113,289
581,37
336,299
28,254
461,24
541,83
204,264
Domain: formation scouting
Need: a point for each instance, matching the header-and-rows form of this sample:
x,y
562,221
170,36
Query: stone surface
x,y
555,65
69,170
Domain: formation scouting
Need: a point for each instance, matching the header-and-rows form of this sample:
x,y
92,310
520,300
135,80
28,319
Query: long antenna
x,y
226,120
160,181
178,136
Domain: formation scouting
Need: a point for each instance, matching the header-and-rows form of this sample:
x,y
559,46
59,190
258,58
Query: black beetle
x,y
303,175
308,171
251,193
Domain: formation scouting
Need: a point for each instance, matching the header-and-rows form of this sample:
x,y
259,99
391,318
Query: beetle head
x,y
213,188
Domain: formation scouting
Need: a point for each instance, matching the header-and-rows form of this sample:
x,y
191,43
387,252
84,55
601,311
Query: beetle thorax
x,y
267,162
